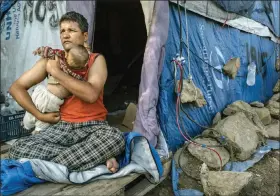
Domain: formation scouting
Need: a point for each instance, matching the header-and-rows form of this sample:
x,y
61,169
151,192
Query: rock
x,y
229,111
276,88
273,130
240,133
275,97
188,163
277,64
231,67
200,101
207,156
217,118
257,104
191,94
223,183
274,108
264,115
241,106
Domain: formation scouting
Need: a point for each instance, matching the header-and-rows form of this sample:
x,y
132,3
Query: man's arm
x,y
87,91
19,90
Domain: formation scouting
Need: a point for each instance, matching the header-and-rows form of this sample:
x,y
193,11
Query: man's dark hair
x,y
80,55
75,17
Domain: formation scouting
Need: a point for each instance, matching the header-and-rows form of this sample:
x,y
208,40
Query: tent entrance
x,y
120,35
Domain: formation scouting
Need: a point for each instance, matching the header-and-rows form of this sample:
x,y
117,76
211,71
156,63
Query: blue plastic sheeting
x,y
265,12
211,46
234,5
5,5
261,151
175,180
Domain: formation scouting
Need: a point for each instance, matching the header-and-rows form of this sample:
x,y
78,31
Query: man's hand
x,y
52,117
53,65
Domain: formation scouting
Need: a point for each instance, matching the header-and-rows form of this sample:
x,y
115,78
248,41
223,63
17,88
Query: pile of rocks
x,y
273,103
235,134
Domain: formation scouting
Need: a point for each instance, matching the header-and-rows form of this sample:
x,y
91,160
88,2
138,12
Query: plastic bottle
x,y
10,101
4,109
15,107
251,76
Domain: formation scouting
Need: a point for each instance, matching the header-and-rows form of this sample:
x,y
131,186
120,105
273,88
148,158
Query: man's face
x,y
71,34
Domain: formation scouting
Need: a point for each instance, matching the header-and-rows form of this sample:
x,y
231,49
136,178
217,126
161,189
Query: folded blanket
x,y
139,156
16,177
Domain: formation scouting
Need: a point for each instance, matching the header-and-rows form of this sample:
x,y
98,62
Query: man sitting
x,y
81,138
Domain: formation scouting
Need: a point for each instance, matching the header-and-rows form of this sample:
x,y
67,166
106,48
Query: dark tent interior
x,y
120,35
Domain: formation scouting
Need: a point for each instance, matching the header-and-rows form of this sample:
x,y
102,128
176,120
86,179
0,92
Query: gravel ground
x,y
265,180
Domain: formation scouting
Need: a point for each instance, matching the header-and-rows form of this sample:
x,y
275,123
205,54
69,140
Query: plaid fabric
x,y
78,146
48,52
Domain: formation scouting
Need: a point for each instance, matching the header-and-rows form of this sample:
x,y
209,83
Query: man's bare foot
x,y
112,165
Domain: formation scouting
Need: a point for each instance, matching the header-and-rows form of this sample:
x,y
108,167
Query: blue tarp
x,y
265,12
5,5
211,46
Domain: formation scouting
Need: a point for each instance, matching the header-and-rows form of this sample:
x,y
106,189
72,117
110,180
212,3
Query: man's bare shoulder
x,y
98,65
98,72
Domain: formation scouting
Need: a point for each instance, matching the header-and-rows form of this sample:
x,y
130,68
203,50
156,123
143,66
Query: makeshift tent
x,y
217,31
212,42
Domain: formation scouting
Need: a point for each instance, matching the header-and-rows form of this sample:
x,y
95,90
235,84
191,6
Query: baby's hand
x,y
39,51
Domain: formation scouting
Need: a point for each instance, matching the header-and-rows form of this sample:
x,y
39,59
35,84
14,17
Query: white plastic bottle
x,y
10,101
251,76
4,109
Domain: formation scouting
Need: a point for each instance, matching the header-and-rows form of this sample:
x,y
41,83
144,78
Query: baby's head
x,y
77,56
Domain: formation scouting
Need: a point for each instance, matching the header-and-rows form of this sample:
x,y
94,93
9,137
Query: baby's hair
x,y
80,55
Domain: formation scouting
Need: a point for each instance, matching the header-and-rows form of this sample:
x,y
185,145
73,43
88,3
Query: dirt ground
x,y
265,180
266,177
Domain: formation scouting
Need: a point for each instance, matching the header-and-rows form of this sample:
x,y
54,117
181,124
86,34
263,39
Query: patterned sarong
x,y
78,146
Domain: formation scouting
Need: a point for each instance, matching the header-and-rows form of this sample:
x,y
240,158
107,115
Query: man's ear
x,y
86,36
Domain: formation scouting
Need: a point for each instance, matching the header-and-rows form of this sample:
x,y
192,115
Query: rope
x,y
180,26
179,90
179,163
187,35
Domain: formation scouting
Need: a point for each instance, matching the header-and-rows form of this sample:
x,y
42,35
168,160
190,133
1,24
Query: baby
x,y
51,98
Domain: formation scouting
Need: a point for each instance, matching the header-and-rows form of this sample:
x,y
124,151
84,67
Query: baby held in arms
x,y
50,98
